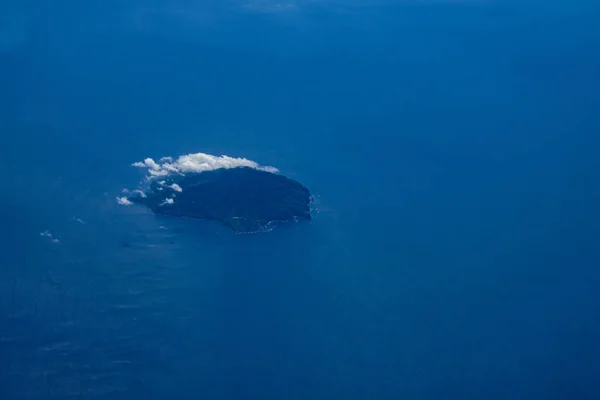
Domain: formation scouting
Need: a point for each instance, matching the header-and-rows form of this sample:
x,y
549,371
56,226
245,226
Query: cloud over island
x,y
195,163
184,164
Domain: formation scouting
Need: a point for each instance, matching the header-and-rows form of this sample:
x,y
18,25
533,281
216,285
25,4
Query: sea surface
x,y
453,148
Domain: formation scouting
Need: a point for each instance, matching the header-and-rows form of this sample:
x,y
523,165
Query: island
x,y
245,199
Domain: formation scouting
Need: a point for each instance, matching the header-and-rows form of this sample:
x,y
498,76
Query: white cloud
x,y
151,164
176,188
270,169
124,201
194,163
147,163
141,193
48,235
77,219
167,201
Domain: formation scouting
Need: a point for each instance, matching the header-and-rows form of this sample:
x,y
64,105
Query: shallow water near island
x,y
451,151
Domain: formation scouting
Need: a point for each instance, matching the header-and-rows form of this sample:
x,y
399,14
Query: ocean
x,y
453,151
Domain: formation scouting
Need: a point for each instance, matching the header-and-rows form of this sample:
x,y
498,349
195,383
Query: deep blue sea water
x,y
453,147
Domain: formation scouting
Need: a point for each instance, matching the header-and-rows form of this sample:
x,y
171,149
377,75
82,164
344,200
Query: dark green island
x,y
245,199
